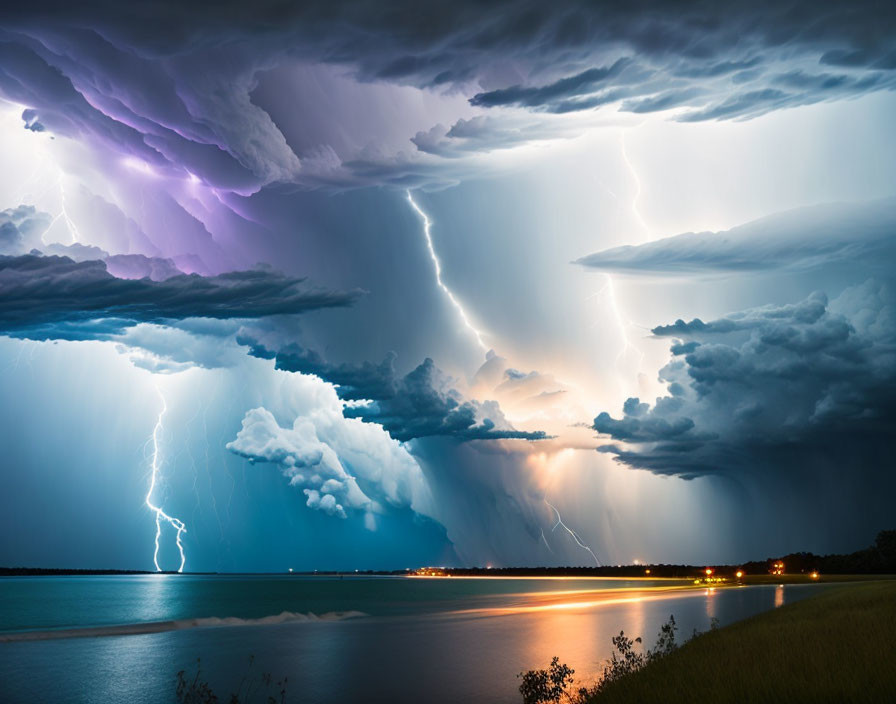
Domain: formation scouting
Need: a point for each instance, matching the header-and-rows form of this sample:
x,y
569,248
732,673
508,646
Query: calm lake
x,y
357,639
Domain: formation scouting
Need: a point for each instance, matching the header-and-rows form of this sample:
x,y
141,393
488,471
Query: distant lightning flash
x,y
608,290
176,523
427,225
546,543
569,530
637,195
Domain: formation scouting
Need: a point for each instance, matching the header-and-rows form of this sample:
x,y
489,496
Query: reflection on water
x,y
711,604
471,652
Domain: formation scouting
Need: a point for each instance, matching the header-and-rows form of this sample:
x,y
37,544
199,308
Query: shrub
x,y
196,690
542,686
552,685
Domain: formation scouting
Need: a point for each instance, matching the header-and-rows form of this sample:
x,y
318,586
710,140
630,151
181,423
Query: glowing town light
x,y
571,532
427,226
814,575
739,574
708,571
155,466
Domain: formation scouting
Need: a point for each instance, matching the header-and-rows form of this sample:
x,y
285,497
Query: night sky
x,y
357,285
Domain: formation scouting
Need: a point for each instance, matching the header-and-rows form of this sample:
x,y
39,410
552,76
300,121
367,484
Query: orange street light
x,y
708,571
814,575
739,574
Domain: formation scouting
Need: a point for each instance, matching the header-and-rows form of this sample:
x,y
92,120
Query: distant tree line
x,y
880,558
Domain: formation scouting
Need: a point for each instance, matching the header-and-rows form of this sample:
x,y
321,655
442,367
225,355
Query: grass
x,y
833,647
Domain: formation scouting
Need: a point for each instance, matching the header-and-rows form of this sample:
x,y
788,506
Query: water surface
x,y
434,640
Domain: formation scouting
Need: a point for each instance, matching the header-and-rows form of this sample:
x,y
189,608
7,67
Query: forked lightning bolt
x,y
155,466
427,225
571,532
608,290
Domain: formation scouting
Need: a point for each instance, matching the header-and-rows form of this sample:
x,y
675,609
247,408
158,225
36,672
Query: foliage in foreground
x,y
555,684
835,646
252,688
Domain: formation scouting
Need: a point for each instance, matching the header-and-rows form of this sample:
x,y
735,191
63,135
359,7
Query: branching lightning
x,y
608,290
427,225
155,466
571,532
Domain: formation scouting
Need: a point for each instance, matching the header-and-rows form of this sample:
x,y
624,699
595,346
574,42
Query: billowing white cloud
x,y
341,464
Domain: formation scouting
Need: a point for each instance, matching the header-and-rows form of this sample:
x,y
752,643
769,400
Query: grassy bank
x,y
833,647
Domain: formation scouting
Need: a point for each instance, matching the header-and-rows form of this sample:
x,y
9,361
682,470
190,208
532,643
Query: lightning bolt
x,y
72,228
545,541
571,532
427,226
637,195
155,466
608,290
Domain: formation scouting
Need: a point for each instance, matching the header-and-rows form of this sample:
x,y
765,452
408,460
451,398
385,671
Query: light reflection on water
x,y
468,654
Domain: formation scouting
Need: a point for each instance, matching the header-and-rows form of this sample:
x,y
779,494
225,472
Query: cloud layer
x,y
803,239
39,295
173,87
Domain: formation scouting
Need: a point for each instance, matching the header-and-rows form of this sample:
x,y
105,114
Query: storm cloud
x,y
39,293
179,94
750,392
422,403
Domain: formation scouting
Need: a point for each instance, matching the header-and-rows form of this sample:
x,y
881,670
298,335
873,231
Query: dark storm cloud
x,y
172,84
423,403
768,390
45,294
487,132
584,83
835,235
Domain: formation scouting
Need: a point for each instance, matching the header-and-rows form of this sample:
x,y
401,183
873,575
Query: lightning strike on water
x,y
427,225
176,523
571,532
